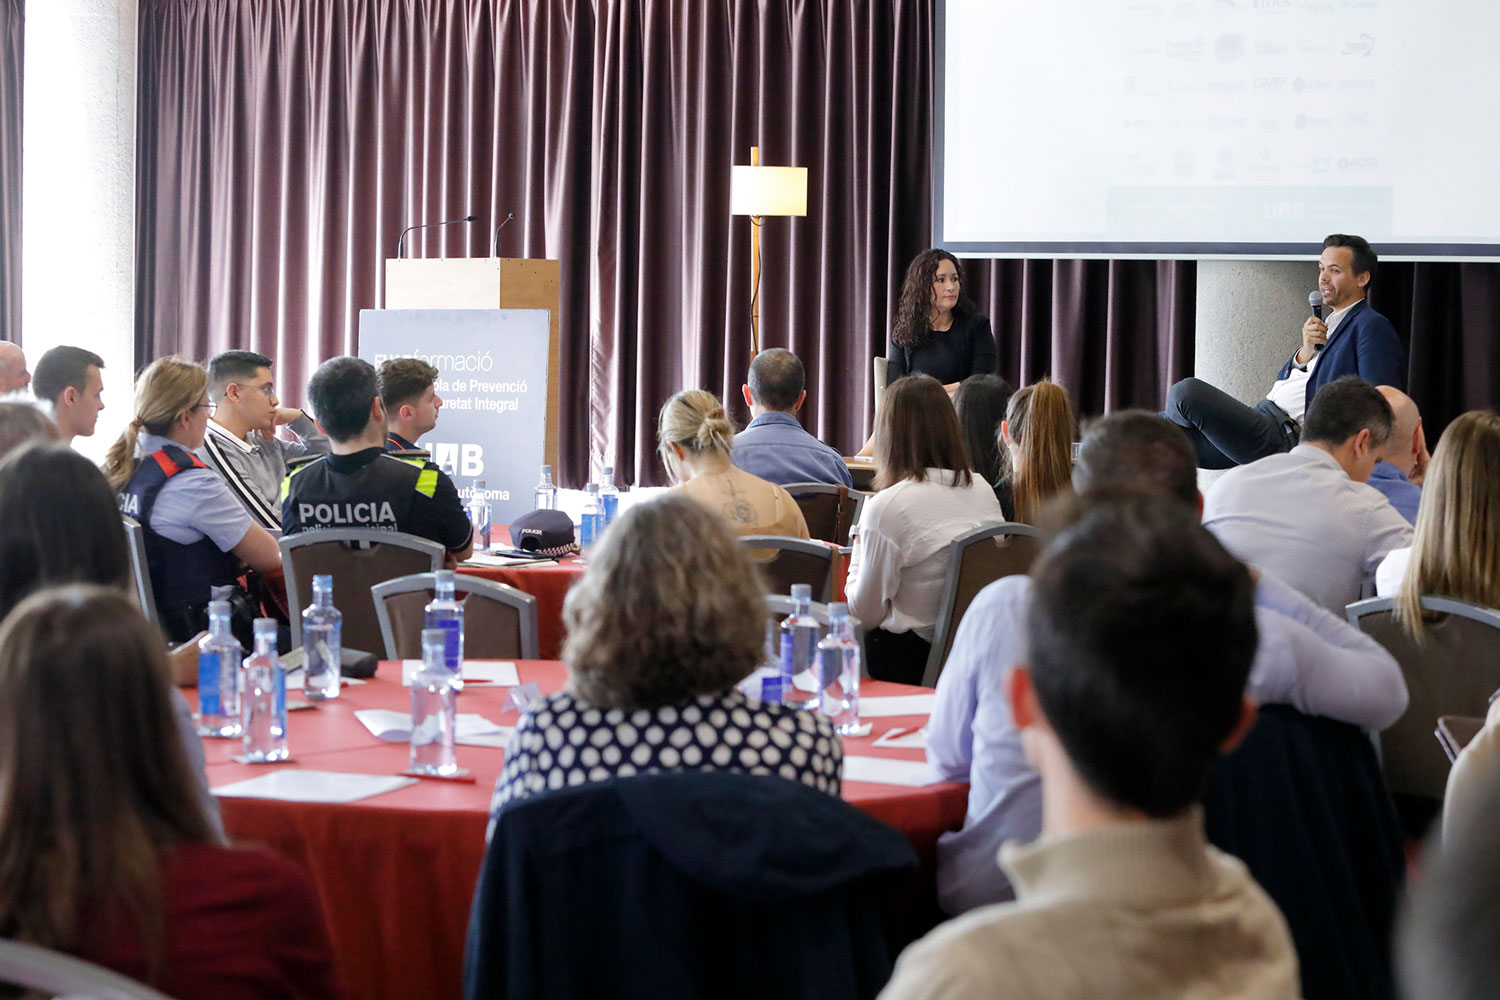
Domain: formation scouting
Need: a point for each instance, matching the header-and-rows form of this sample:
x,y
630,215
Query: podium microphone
x,y
495,243
401,243
1315,303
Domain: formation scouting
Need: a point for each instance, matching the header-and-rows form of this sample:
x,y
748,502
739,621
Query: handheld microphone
x,y
1315,302
401,243
495,243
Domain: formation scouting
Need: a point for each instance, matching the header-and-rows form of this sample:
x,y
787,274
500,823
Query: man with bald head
x,y
13,374
1398,474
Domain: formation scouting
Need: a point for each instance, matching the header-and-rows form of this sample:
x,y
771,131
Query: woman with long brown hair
x,y
105,849
938,331
1038,435
1455,550
928,496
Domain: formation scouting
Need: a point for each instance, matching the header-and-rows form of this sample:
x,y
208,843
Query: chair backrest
x,y
793,560
1302,803
775,889
55,974
135,536
975,561
499,620
830,509
357,559
1452,671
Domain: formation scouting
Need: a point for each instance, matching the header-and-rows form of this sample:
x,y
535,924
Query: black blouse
x,y
952,355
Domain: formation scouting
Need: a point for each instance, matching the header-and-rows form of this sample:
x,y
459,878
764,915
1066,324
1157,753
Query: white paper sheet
x,y
297,785
500,673
395,727
899,704
903,739
885,771
489,560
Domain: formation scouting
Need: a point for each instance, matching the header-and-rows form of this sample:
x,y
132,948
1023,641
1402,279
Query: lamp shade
x,y
767,190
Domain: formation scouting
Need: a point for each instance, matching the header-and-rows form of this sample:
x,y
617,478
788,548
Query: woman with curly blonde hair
x,y
669,616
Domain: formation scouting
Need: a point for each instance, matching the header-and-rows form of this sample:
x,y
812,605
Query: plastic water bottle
x,y
219,656
322,642
479,517
546,493
592,524
838,672
799,636
609,497
263,698
446,614
434,709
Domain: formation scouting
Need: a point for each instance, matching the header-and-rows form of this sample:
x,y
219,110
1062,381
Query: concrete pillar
x,y
78,194
1249,320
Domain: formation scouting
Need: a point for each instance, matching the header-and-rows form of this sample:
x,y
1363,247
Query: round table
x,y
396,872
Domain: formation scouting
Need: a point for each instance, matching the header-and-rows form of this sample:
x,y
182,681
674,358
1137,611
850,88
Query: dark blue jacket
x,y
687,884
1364,344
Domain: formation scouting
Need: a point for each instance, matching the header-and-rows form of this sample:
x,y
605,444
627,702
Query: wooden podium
x,y
484,283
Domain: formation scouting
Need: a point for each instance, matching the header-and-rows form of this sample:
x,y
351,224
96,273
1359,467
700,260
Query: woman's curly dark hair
x,y
914,311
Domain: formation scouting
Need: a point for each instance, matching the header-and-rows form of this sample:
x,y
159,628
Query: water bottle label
x,y
611,504
450,642
788,654
279,704
208,684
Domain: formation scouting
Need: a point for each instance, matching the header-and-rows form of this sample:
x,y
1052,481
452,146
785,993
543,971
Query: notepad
x,y
298,785
501,673
903,739
395,727
897,704
885,771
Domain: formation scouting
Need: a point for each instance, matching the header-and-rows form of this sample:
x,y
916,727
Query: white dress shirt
x,y
1290,393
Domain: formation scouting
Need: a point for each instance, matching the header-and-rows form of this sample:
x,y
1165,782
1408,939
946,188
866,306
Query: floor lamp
x,y
759,192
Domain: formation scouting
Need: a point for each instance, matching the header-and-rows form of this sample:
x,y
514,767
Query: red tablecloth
x,y
396,872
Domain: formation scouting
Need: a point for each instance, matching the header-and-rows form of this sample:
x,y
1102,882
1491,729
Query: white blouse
x,y
1390,571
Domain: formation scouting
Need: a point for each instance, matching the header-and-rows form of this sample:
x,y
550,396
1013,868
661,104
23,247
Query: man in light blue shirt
x,y
1306,657
774,446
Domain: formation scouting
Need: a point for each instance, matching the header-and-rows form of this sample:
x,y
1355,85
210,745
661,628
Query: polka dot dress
x,y
561,742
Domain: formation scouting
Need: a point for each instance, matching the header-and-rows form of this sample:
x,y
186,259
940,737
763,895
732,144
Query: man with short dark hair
x,y
359,485
774,446
69,379
1354,340
1310,516
13,374
1140,640
1315,661
407,389
241,443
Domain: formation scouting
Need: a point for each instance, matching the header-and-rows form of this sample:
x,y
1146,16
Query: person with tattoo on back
x,y
693,435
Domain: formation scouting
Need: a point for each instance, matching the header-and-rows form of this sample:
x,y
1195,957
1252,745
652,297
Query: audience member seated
x,y
695,438
13,374
1475,771
59,524
1355,340
1403,464
409,394
1038,435
1310,516
668,618
198,537
359,485
241,444
21,423
105,850
1306,657
68,379
1140,643
774,446
1446,936
1455,551
980,402
928,496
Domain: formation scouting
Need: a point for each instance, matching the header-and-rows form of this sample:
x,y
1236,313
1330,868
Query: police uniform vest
x,y
182,576
378,495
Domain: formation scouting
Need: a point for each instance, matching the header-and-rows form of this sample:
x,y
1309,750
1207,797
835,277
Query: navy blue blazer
x,y
1365,344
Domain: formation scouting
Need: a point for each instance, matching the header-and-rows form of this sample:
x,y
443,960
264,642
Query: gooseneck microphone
x,y
495,243
401,243
1315,303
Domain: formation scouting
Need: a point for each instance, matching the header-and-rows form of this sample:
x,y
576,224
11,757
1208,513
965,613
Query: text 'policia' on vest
x,y
378,495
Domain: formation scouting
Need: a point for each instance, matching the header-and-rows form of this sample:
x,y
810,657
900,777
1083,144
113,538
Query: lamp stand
x,y
755,223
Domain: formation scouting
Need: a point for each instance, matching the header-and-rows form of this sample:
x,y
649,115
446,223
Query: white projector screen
x,y
1203,128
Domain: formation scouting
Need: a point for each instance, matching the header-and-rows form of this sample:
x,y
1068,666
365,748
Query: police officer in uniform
x,y
359,485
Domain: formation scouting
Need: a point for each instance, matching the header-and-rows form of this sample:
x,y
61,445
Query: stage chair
x,y
499,620
975,561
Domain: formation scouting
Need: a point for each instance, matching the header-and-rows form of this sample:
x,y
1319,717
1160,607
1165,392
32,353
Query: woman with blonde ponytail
x,y
198,537
1038,436
693,435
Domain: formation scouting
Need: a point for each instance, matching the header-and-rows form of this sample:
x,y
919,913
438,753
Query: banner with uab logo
x,y
492,379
